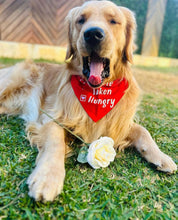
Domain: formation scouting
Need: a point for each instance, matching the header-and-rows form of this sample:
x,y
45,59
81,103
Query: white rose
x,y
101,152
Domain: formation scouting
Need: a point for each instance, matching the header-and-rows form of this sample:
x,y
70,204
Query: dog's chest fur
x,y
69,111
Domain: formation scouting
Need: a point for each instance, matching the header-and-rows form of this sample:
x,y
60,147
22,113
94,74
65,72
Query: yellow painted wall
x,y
154,61
31,51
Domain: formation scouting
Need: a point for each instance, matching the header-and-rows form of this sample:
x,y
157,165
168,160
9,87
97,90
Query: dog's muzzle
x,y
95,68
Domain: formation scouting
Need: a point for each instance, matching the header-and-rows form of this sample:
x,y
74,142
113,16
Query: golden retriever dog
x,y
99,53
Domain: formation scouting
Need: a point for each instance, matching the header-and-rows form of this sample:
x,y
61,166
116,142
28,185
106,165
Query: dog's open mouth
x,y
96,69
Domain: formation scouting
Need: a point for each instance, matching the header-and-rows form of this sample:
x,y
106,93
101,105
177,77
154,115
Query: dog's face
x,y
100,37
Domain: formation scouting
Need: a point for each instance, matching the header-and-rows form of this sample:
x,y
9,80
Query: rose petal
x,y
101,152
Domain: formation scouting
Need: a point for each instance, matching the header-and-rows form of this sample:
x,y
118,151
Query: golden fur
x,y
27,87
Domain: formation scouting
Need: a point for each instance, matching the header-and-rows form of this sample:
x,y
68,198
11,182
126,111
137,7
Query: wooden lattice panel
x,y
35,21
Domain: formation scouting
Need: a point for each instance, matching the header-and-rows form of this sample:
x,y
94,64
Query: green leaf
x,y
82,156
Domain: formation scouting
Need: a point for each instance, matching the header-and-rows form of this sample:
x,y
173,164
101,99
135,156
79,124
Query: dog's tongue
x,y
96,68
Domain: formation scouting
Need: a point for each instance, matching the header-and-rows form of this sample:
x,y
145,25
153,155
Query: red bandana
x,y
98,102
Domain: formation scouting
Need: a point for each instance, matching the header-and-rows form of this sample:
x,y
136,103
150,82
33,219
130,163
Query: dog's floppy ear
x,y
130,46
70,19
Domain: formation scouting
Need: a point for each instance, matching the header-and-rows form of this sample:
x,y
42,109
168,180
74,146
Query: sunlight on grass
x,y
171,69
9,61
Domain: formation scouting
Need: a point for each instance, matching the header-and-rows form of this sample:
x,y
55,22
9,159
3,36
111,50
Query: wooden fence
x,y
35,21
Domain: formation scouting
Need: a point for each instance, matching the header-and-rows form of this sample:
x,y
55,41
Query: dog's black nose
x,y
94,35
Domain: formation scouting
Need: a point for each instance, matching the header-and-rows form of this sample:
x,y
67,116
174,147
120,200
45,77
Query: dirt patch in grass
x,y
156,82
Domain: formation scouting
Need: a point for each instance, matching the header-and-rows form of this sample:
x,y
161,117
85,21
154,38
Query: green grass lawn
x,y
173,69
129,188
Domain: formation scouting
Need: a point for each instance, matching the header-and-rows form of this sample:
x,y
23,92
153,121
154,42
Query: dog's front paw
x,y
166,164
46,182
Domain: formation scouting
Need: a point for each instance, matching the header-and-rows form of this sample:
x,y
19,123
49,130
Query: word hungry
x,y
103,102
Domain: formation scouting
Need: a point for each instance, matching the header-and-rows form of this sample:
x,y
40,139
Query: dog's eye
x,y
81,20
112,21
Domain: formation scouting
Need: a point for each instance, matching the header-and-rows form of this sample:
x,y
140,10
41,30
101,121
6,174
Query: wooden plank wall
x,y
35,21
